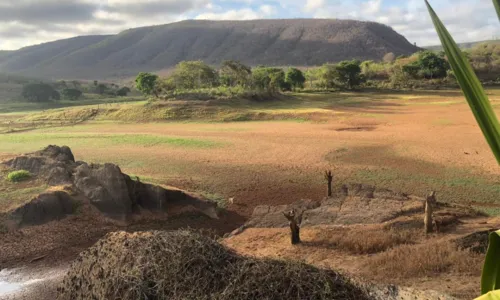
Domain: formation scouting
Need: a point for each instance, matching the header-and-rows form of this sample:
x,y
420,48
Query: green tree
x,y
313,77
432,65
39,92
412,70
348,73
71,94
146,83
101,88
272,79
295,78
234,73
55,95
194,74
122,92
328,75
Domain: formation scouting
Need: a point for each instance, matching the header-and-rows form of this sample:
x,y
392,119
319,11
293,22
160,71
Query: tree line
x,y
393,72
73,90
190,75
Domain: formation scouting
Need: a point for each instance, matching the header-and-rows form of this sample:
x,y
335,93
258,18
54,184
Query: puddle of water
x,y
7,287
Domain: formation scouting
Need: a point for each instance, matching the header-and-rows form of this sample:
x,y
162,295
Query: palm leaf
x,y
471,87
497,7
494,295
490,279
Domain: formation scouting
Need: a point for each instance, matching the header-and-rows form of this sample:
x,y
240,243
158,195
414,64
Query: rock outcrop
x,y
112,192
357,204
44,208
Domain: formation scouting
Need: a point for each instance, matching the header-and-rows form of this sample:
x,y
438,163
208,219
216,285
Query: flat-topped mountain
x,y
298,42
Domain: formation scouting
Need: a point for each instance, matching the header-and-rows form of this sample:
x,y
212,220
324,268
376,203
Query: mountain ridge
x,y
279,42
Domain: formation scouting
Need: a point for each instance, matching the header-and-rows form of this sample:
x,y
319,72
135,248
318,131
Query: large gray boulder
x,y
106,188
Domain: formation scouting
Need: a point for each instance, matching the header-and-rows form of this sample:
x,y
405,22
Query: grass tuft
x,y
18,176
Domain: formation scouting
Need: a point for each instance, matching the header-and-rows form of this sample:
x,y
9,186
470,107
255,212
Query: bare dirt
x,y
410,147
377,235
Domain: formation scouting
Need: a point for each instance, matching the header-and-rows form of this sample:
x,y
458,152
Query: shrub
x,y
39,92
71,94
17,176
122,92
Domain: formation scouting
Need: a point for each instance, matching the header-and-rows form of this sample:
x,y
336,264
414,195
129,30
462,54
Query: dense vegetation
x,y
73,90
424,69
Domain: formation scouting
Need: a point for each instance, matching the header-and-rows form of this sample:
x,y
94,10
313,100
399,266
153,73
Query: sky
x,y
28,22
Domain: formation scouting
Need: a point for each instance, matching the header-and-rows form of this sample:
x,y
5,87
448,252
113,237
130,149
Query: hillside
x,y
464,46
300,42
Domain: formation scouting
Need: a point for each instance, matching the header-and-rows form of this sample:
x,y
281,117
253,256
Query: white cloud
x,y
465,21
241,14
267,10
312,5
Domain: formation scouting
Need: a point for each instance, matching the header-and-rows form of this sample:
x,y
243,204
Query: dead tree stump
x,y
329,179
294,219
428,220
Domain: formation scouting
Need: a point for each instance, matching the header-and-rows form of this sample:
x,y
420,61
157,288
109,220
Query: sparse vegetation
x,y
71,94
39,92
361,241
411,261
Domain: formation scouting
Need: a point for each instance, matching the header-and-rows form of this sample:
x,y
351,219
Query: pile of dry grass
x,y
410,261
364,241
187,265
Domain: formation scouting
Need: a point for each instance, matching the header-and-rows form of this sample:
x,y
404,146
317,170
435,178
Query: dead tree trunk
x,y
295,219
428,221
329,179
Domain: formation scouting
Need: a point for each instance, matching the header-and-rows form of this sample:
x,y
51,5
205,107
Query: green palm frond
x,y
471,86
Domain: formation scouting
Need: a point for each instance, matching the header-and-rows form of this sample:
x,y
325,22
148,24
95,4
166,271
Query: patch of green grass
x,y
154,140
219,199
490,211
16,143
26,107
15,196
452,185
18,176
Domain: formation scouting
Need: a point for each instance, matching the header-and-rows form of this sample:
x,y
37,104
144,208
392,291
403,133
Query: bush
x,y
18,176
71,94
39,92
122,92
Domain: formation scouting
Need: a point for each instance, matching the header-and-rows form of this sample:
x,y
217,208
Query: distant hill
x,y
299,42
464,46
